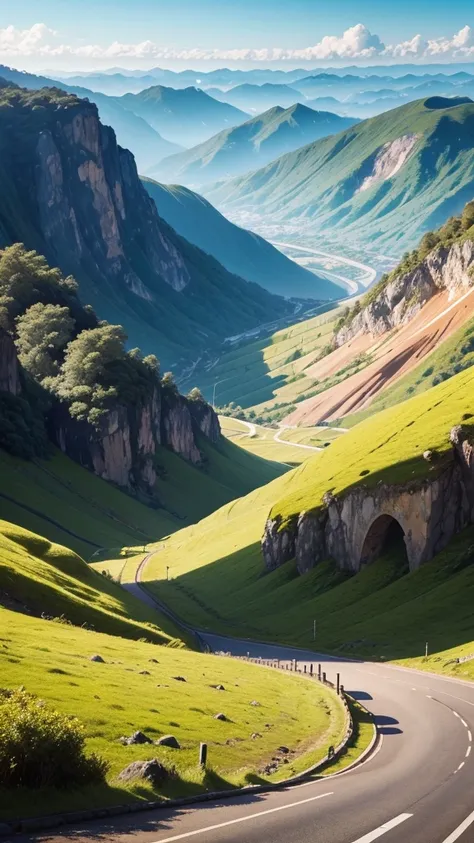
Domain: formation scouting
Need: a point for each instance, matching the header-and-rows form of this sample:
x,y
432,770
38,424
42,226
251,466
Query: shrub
x,y
40,747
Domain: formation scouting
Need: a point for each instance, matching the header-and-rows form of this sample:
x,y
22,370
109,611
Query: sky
x,y
97,34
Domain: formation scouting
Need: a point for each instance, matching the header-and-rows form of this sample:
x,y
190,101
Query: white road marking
x,y
413,689
460,829
464,723
456,714
241,819
429,697
468,751
461,765
378,832
469,734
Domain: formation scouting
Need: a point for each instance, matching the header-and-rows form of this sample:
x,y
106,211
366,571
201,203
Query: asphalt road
x,y
416,788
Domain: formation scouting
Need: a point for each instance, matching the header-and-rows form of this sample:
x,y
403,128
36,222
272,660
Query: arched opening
x,y
385,535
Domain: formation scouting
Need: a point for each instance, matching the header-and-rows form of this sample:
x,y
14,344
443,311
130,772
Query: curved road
x,y
416,787
354,286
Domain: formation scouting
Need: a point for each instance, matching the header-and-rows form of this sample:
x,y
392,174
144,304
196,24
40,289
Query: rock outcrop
x,y
123,448
352,528
9,366
403,296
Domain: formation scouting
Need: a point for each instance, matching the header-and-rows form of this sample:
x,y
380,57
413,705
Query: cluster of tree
x,y
66,353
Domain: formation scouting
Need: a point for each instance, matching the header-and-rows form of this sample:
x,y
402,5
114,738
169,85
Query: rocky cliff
x,y
70,192
9,367
123,447
352,528
404,295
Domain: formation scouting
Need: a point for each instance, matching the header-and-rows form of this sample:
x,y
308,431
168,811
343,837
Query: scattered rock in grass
x,y
220,716
97,658
429,455
268,725
218,687
152,770
144,673
255,735
96,697
286,760
254,702
155,661
179,678
137,737
162,686
283,749
168,740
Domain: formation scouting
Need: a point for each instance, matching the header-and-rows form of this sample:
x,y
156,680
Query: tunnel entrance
x,y
384,536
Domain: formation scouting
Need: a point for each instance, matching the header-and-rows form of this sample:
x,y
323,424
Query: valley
x,y
236,433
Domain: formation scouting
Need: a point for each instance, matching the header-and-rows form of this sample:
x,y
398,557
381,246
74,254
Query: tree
x,y
42,333
26,278
468,216
168,382
195,394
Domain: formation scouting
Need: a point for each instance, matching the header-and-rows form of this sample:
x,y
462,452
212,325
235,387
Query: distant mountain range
x,y
250,145
133,132
382,182
188,115
240,251
257,98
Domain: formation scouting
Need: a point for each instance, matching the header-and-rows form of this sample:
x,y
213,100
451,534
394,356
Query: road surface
x,y
354,286
293,444
416,788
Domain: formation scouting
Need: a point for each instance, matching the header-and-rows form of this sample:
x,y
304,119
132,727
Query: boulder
x,y
97,658
168,740
137,737
179,678
220,716
152,770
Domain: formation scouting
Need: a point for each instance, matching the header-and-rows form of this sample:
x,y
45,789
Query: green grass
x,y
59,499
115,699
260,373
38,576
262,443
218,579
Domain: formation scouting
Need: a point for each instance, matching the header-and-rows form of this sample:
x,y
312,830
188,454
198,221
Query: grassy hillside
x,y
269,373
216,565
63,501
250,145
384,181
240,251
136,686
39,577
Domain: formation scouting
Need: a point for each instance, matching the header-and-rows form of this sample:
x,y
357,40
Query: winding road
x,y
354,286
416,787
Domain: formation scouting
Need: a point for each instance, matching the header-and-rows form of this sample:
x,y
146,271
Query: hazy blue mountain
x,y
258,98
133,132
250,145
188,116
382,182
241,252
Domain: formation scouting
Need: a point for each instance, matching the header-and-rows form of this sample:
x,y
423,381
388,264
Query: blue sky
x,y
71,29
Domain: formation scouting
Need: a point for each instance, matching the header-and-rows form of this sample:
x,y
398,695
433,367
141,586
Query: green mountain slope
x,y
222,555
242,252
40,577
384,181
187,117
251,145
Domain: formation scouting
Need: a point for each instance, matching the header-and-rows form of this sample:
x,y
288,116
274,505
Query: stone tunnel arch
x,y
384,534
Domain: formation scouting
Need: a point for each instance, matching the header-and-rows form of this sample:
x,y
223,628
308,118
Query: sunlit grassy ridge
x,y
262,372
218,578
40,577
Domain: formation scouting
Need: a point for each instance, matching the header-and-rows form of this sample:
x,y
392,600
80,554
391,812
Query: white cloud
x,y
356,43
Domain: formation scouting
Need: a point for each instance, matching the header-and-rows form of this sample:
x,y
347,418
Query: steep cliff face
x,y
70,192
405,295
352,529
123,448
9,367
